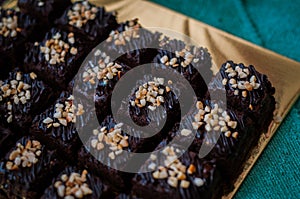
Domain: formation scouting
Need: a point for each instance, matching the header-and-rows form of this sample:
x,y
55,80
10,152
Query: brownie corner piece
x,y
26,168
73,182
60,123
57,58
22,96
248,91
87,19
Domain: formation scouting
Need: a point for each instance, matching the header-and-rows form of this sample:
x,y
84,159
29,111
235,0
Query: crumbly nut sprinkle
x,y
104,70
111,70
185,53
214,119
185,132
73,186
150,94
17,91
198,182
131,32
240,80
81,13
111,138
9,25
55,49
173,169
24,156
64,113
41,3
33,75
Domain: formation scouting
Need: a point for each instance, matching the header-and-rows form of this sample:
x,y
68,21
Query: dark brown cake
x,y
193,63
131,44
15,29
57,127
248,91
57,58
173,177
89,20
25,170
23,95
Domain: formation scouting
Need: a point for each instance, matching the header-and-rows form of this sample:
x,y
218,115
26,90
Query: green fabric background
x,y
274,25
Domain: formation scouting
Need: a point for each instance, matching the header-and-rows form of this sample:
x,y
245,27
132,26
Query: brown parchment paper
x,y
282,72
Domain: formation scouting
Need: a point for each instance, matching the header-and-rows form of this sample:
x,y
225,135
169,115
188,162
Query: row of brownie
x,y
59,136
46,121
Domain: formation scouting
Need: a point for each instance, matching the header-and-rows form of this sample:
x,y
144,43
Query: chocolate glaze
x,y
41,96
109,175
29,182
99,189
6,65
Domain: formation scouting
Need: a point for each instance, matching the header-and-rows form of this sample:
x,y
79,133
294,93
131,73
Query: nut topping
x,y
24,156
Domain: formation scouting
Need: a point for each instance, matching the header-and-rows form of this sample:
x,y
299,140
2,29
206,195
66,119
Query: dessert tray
x,y
49,146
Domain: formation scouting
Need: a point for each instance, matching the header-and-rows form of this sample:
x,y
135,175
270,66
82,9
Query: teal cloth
x,y
274,25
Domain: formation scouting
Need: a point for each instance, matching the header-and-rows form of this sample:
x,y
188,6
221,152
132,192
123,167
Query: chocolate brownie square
x,y
25,170
172,176
148,100
23,96
131,44
59,124
89,20
247,90
57,58
107,80
98,72
219,133
193,63
15,29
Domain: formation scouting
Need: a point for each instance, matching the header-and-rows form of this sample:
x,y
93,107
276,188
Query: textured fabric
x,y
274,25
